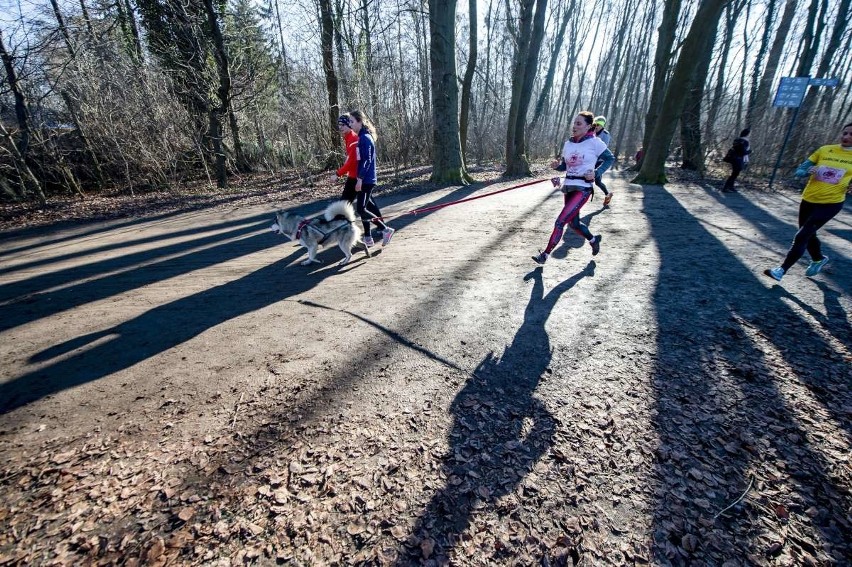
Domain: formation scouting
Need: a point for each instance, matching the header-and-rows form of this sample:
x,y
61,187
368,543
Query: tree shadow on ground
x,y
500,429
779,231
166,326
740,378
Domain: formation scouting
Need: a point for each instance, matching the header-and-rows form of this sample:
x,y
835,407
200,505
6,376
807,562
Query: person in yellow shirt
x,y
830,171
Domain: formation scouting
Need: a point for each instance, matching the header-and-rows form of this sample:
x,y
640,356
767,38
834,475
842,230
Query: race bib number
x,y
831,175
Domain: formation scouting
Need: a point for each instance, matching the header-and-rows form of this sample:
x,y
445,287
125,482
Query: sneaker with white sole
x,y
368,241
541,258
775,273
816,266
607,199
387,234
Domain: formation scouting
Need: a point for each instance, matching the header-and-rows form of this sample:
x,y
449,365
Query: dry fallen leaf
x,y
427,546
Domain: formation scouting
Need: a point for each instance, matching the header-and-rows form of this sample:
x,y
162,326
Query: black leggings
x,y
736,168
372,210
367,208
812,216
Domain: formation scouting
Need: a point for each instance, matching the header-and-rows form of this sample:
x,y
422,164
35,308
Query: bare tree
x,y
19,149
327,43
467,82
447,162
528,45
704,24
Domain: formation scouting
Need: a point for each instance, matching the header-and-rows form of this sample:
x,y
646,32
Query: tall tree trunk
x,y
760,58
468,78
719,91
327,42
223,92
447,162
544,95
761,99
704,24
662,63
690,119
530,35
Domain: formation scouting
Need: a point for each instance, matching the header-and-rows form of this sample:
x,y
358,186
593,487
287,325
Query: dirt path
x,y
178,390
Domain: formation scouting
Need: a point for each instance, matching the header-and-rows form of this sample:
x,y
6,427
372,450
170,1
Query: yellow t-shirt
x,y
833,172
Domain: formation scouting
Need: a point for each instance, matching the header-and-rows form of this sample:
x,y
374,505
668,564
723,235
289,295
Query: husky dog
x,y
337,225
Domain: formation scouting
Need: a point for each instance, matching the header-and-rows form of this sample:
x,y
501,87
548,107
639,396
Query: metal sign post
x,y
791,93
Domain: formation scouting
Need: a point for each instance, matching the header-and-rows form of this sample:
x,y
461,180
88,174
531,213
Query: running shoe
x,y
596,244
387,234
541,258
607,199
368,241
775,273
816,266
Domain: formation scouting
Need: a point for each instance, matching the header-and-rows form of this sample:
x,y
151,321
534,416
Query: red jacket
x,y
350,166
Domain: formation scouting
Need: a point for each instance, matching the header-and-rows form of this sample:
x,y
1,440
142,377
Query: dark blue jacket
x,y
366,158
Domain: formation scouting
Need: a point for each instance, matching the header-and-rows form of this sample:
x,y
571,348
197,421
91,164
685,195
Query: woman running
x,y
366,178
830,171
579,156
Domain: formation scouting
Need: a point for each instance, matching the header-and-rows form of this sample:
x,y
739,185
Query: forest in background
x,y
141,94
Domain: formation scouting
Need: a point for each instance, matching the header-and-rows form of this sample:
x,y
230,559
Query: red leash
x,y
441,206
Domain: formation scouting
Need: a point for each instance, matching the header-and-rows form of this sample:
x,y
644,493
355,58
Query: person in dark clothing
x,y
737,156
366,177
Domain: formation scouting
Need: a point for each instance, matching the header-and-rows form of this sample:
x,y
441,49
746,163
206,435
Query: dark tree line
x,y
134,94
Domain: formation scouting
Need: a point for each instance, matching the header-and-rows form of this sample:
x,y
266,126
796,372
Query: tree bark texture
x,y
327,44
662,63
447,162
530,35
704,24
467,82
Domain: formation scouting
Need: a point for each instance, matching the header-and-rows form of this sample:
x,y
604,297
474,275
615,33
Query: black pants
x,y
736,168
812,216
369,210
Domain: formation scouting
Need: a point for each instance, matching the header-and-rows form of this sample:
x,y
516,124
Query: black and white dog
x,y
337,225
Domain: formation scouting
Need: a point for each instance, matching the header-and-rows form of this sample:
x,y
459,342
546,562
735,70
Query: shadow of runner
x,y
750,402
500,430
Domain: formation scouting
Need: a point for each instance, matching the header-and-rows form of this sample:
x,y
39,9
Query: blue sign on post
x,y
826,82
791,91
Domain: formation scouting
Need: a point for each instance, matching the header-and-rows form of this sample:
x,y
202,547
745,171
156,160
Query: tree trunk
x,y
544,95
690,119
761,99
692,52
223,92
760,58
662,63
468,78
530,35
327,42
447,163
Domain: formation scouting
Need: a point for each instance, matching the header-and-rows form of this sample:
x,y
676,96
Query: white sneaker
x,y
368,241
387,234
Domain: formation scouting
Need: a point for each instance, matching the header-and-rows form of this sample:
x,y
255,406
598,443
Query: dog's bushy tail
x,y
340,208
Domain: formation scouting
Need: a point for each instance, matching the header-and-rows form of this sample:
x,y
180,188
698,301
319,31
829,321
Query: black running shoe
x,y
541,258
596,245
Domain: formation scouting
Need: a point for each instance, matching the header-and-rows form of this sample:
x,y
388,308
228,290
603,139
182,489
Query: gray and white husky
x,y
337,225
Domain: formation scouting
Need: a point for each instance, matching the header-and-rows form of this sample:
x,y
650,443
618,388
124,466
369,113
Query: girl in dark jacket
x,y
737,156
366,178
